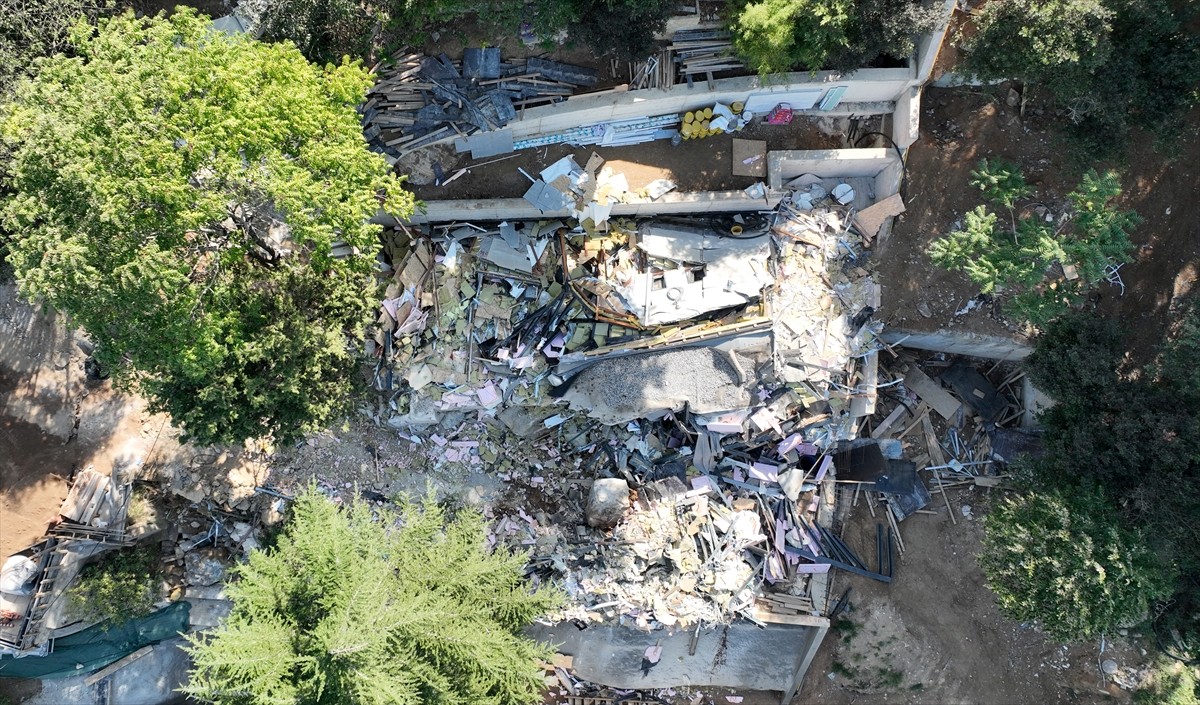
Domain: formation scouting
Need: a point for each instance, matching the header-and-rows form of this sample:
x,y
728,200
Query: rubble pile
x,y
695,374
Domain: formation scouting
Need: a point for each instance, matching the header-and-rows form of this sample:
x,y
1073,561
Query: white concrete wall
x,y
783,166
865,86
929,45
992,347
496,209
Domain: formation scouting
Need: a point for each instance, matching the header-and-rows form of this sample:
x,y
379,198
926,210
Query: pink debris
x,y
764,472
790,443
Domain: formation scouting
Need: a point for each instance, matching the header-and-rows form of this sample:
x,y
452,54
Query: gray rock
x,y
203,568
607,502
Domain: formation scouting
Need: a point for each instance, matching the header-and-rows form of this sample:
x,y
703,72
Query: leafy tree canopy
x,y
775,36
1113,64
30,29
778,36
1013,256
355,609
179,193
1065,560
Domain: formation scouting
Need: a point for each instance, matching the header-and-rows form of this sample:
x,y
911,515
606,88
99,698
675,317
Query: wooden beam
x,y
116,666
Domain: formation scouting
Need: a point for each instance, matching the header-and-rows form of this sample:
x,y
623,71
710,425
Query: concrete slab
x,y
150,680
750,657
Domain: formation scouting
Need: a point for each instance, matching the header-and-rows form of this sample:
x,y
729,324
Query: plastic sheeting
x,y
96,647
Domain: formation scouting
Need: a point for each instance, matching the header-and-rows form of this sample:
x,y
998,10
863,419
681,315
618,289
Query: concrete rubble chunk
x,y
607,502
204,567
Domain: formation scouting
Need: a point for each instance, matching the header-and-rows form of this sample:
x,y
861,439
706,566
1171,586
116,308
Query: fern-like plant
x,y
1014,261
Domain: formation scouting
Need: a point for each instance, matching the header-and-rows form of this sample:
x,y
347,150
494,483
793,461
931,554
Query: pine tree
x,y
356,606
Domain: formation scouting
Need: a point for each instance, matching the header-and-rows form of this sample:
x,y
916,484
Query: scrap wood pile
x,y
974,409
696,374
703,51
420,101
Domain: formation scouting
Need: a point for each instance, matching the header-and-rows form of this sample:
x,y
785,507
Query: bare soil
x,y
960,126
53,421
935,635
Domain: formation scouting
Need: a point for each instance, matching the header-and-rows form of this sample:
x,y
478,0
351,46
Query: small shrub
x,y
119,587
1172,684
1066,561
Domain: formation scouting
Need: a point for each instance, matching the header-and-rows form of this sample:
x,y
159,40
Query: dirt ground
x,y
935,634
960,126
53,421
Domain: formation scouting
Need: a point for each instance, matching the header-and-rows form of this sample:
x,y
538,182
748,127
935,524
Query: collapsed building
x,y
698,371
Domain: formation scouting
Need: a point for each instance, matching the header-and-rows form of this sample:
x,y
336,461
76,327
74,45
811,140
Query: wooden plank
x,y
931,441
93,505
796,620
82,491
116,666
931,393
888,422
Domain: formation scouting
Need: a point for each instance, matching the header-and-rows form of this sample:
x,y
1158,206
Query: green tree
x,y
354,608
1112,64
323,30
121,586
626,28
1042,41
30,29
1066,561
776,36
1014,260
180,193
885,28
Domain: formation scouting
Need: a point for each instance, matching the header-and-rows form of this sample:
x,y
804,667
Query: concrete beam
x,y
906,121
992,347
773,658
497,209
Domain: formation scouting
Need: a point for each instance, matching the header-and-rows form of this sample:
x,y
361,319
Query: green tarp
x,y
96,647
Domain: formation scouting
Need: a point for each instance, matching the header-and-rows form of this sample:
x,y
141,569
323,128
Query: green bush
x,y
1172,684
1066,561
121,586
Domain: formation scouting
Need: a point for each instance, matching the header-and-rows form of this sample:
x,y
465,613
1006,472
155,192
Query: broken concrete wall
x,y
750,657
782,166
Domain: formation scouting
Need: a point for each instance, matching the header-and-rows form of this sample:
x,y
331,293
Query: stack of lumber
x,y
95,508
658,71
420,101
704,51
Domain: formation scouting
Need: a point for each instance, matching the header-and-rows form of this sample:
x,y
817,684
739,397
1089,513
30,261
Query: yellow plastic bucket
x,y
688,117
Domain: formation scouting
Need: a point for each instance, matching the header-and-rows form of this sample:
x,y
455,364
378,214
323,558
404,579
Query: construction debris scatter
x,y
420,101
691,377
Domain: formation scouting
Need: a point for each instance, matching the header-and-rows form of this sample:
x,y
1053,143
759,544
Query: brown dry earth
x,y
54,422
935,636
961,126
